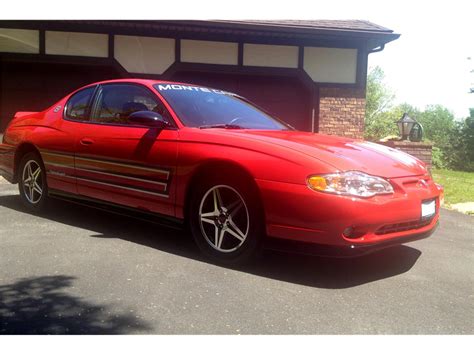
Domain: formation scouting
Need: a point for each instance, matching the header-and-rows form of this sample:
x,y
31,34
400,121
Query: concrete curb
x,y
465,207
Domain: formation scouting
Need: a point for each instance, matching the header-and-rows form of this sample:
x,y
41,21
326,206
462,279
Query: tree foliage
x,y
459,153
379,96
438,125
453,141
379,99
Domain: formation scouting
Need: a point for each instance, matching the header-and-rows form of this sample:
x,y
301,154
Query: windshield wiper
x,y
222,125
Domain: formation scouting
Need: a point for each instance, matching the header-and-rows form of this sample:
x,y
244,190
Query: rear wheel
x,y
32,182
227,220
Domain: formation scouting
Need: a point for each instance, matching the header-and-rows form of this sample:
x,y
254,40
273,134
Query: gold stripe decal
x,y
117,174
63,160
164,184
123,187
85,161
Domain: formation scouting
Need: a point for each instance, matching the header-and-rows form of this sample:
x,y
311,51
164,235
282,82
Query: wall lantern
x,y
406,125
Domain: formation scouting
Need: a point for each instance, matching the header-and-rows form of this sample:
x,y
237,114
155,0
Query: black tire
x,y
38,202
231,187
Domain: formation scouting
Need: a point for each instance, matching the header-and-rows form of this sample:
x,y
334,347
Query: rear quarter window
x,y
78,105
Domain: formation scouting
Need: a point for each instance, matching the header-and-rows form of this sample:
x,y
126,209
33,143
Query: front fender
x,y
193,156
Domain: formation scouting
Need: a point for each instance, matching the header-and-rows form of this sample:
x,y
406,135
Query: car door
x,y
123,163
57,147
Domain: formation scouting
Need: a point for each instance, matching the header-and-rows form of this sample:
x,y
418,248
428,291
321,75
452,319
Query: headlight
x,y
353,183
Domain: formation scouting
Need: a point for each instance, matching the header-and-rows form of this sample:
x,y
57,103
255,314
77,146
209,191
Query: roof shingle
x,y
357,25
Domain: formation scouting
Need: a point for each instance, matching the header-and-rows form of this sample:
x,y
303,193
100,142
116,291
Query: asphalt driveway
x,y
80,270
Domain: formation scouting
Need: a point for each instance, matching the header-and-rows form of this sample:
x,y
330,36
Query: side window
x,y
115,102
77,106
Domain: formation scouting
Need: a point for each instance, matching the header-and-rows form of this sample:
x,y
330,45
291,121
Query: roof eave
x,y
380,37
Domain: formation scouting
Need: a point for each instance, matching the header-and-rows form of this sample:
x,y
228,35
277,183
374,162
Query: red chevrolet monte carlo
x,y
229,170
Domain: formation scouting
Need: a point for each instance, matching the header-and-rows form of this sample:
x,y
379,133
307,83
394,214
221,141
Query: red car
x,y
212,159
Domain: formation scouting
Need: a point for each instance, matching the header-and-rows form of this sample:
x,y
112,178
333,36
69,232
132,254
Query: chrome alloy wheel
x,y
224,218
32,180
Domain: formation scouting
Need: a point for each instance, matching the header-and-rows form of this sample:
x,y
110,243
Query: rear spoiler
x,y
23,113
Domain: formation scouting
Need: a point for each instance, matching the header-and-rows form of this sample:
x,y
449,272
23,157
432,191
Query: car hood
x,y
344,154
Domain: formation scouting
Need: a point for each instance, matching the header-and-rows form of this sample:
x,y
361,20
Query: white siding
x,y
209,52
264,55
331,65
19,41
148,55
76,43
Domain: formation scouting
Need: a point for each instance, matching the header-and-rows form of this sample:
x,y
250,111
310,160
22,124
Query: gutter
x,y
377,49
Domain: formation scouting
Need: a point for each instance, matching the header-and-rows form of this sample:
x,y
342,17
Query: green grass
x,y
458,185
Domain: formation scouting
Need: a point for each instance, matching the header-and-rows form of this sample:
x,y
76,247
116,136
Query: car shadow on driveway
x,y
39,305
321,272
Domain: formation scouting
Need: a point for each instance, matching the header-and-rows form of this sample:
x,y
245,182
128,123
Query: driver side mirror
x,y
148,119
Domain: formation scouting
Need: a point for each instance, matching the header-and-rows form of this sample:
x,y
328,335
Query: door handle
x,y
87,141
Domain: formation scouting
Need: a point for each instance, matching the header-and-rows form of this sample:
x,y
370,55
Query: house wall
x,y
342,111
144,55
334,78
331,65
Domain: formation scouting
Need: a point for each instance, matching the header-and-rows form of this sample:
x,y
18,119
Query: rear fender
x,y
21,114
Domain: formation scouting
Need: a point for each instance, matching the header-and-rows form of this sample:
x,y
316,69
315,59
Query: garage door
x,y
285,98
36,86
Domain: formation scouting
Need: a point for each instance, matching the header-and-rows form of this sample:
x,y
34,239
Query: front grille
x,y
402,227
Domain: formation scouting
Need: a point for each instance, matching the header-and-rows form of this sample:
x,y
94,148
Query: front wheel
x,y
32,182
227,221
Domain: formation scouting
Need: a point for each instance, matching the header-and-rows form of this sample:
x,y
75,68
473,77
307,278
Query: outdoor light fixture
x,y
405,125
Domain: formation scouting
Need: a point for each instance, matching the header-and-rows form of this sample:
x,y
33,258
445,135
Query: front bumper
x,y
349,251
296,213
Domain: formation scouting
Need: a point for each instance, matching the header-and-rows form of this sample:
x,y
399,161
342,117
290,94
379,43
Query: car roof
x,y
139,81
149,82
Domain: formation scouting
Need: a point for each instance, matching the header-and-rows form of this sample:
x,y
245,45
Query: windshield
x,y
209,108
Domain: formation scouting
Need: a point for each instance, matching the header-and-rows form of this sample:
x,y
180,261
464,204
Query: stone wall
x,y
420,150
342,111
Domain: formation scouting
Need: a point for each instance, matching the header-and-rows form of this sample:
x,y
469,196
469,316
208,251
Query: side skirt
x,y
146,216
9,177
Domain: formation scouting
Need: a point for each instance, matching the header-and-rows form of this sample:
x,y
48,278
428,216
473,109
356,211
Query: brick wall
x,y
342,111
421,150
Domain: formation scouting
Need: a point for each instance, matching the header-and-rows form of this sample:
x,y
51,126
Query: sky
x,y
427,65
